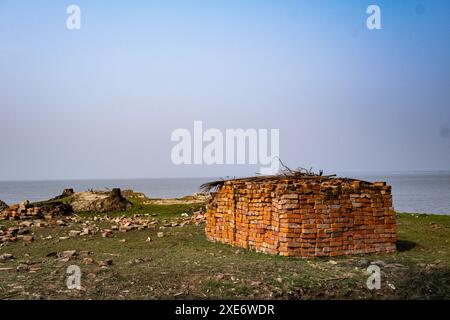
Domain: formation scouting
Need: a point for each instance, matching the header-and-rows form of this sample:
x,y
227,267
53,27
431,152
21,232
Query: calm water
x,y
17,191
418,192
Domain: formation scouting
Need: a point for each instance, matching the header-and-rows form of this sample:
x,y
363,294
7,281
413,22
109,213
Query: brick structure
x,y
307,217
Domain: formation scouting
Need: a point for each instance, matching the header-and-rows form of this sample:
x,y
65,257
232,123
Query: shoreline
x,y
416,193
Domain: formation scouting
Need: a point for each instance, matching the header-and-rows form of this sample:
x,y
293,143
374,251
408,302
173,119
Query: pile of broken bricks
x,y
25,210
79,226
14,234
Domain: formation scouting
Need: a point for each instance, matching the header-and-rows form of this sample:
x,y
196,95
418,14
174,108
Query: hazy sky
x,y
102,102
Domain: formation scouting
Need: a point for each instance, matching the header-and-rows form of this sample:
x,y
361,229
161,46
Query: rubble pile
x,y
15,233
125,224
61,212
25,210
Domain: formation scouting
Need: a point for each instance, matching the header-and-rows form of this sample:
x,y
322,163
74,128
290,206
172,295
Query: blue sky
x,y
101,102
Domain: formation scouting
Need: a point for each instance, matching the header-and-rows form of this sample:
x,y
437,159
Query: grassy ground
x,y
184,265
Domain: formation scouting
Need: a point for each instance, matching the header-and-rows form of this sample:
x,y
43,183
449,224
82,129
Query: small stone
x,y
362,263
85,232
23,268
74,233
160,234
106,263
379,263
6,256
68,253
23,231
28,239
26,224
148,239
84,253
125,228
107,233
34,269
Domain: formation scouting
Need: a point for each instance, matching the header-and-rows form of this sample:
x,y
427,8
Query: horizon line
x,y
223,176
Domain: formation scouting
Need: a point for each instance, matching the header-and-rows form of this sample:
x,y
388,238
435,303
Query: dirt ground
x,y
158,252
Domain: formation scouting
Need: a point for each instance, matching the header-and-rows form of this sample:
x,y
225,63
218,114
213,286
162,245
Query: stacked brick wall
x,y
303,217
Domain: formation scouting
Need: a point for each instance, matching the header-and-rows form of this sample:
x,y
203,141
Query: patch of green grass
x,y
168,211
65,200
424,238
183,264
159,211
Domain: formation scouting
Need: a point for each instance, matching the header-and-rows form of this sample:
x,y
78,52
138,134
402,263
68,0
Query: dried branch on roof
x,y
285,172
